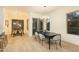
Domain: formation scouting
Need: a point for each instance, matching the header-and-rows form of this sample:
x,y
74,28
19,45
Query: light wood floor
x,y
29,44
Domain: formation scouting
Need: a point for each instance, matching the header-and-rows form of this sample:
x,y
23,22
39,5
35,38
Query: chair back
x,y
36,34
41,36
57,37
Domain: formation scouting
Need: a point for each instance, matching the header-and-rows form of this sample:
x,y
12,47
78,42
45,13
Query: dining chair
x,y
57,40
36,35
42,38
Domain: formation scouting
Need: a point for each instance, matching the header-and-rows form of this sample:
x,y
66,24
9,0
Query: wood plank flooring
x,y
29,44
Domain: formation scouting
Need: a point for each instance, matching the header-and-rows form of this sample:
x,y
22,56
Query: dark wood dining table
x,y
49,36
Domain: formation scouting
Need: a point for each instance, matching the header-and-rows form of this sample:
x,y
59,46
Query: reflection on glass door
x,y
37,25
34,25
48,24
40,25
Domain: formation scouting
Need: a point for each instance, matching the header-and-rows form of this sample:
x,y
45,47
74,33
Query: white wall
x,y
59,24
1,20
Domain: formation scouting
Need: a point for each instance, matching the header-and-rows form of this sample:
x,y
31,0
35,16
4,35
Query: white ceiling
x,y
36,9
41,9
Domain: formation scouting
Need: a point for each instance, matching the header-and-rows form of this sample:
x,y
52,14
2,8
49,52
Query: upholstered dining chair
x,y
36,35
42,37
57,40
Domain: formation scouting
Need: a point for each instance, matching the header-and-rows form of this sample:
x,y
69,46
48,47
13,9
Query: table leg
x,y
49,43
60,43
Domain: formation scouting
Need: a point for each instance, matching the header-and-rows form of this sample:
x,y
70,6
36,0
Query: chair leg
x,y
60,44
56,45
35,38
42,42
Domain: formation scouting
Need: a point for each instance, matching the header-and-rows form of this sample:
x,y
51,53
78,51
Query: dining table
x,y
49,36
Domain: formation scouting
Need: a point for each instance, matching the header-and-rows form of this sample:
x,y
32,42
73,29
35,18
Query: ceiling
x,y
41,9
36,9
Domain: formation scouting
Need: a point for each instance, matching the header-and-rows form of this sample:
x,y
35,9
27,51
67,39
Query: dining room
x,y
39,28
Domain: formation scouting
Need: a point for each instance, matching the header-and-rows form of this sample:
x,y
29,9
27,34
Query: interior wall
x,y
59,24
15,13
1,20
